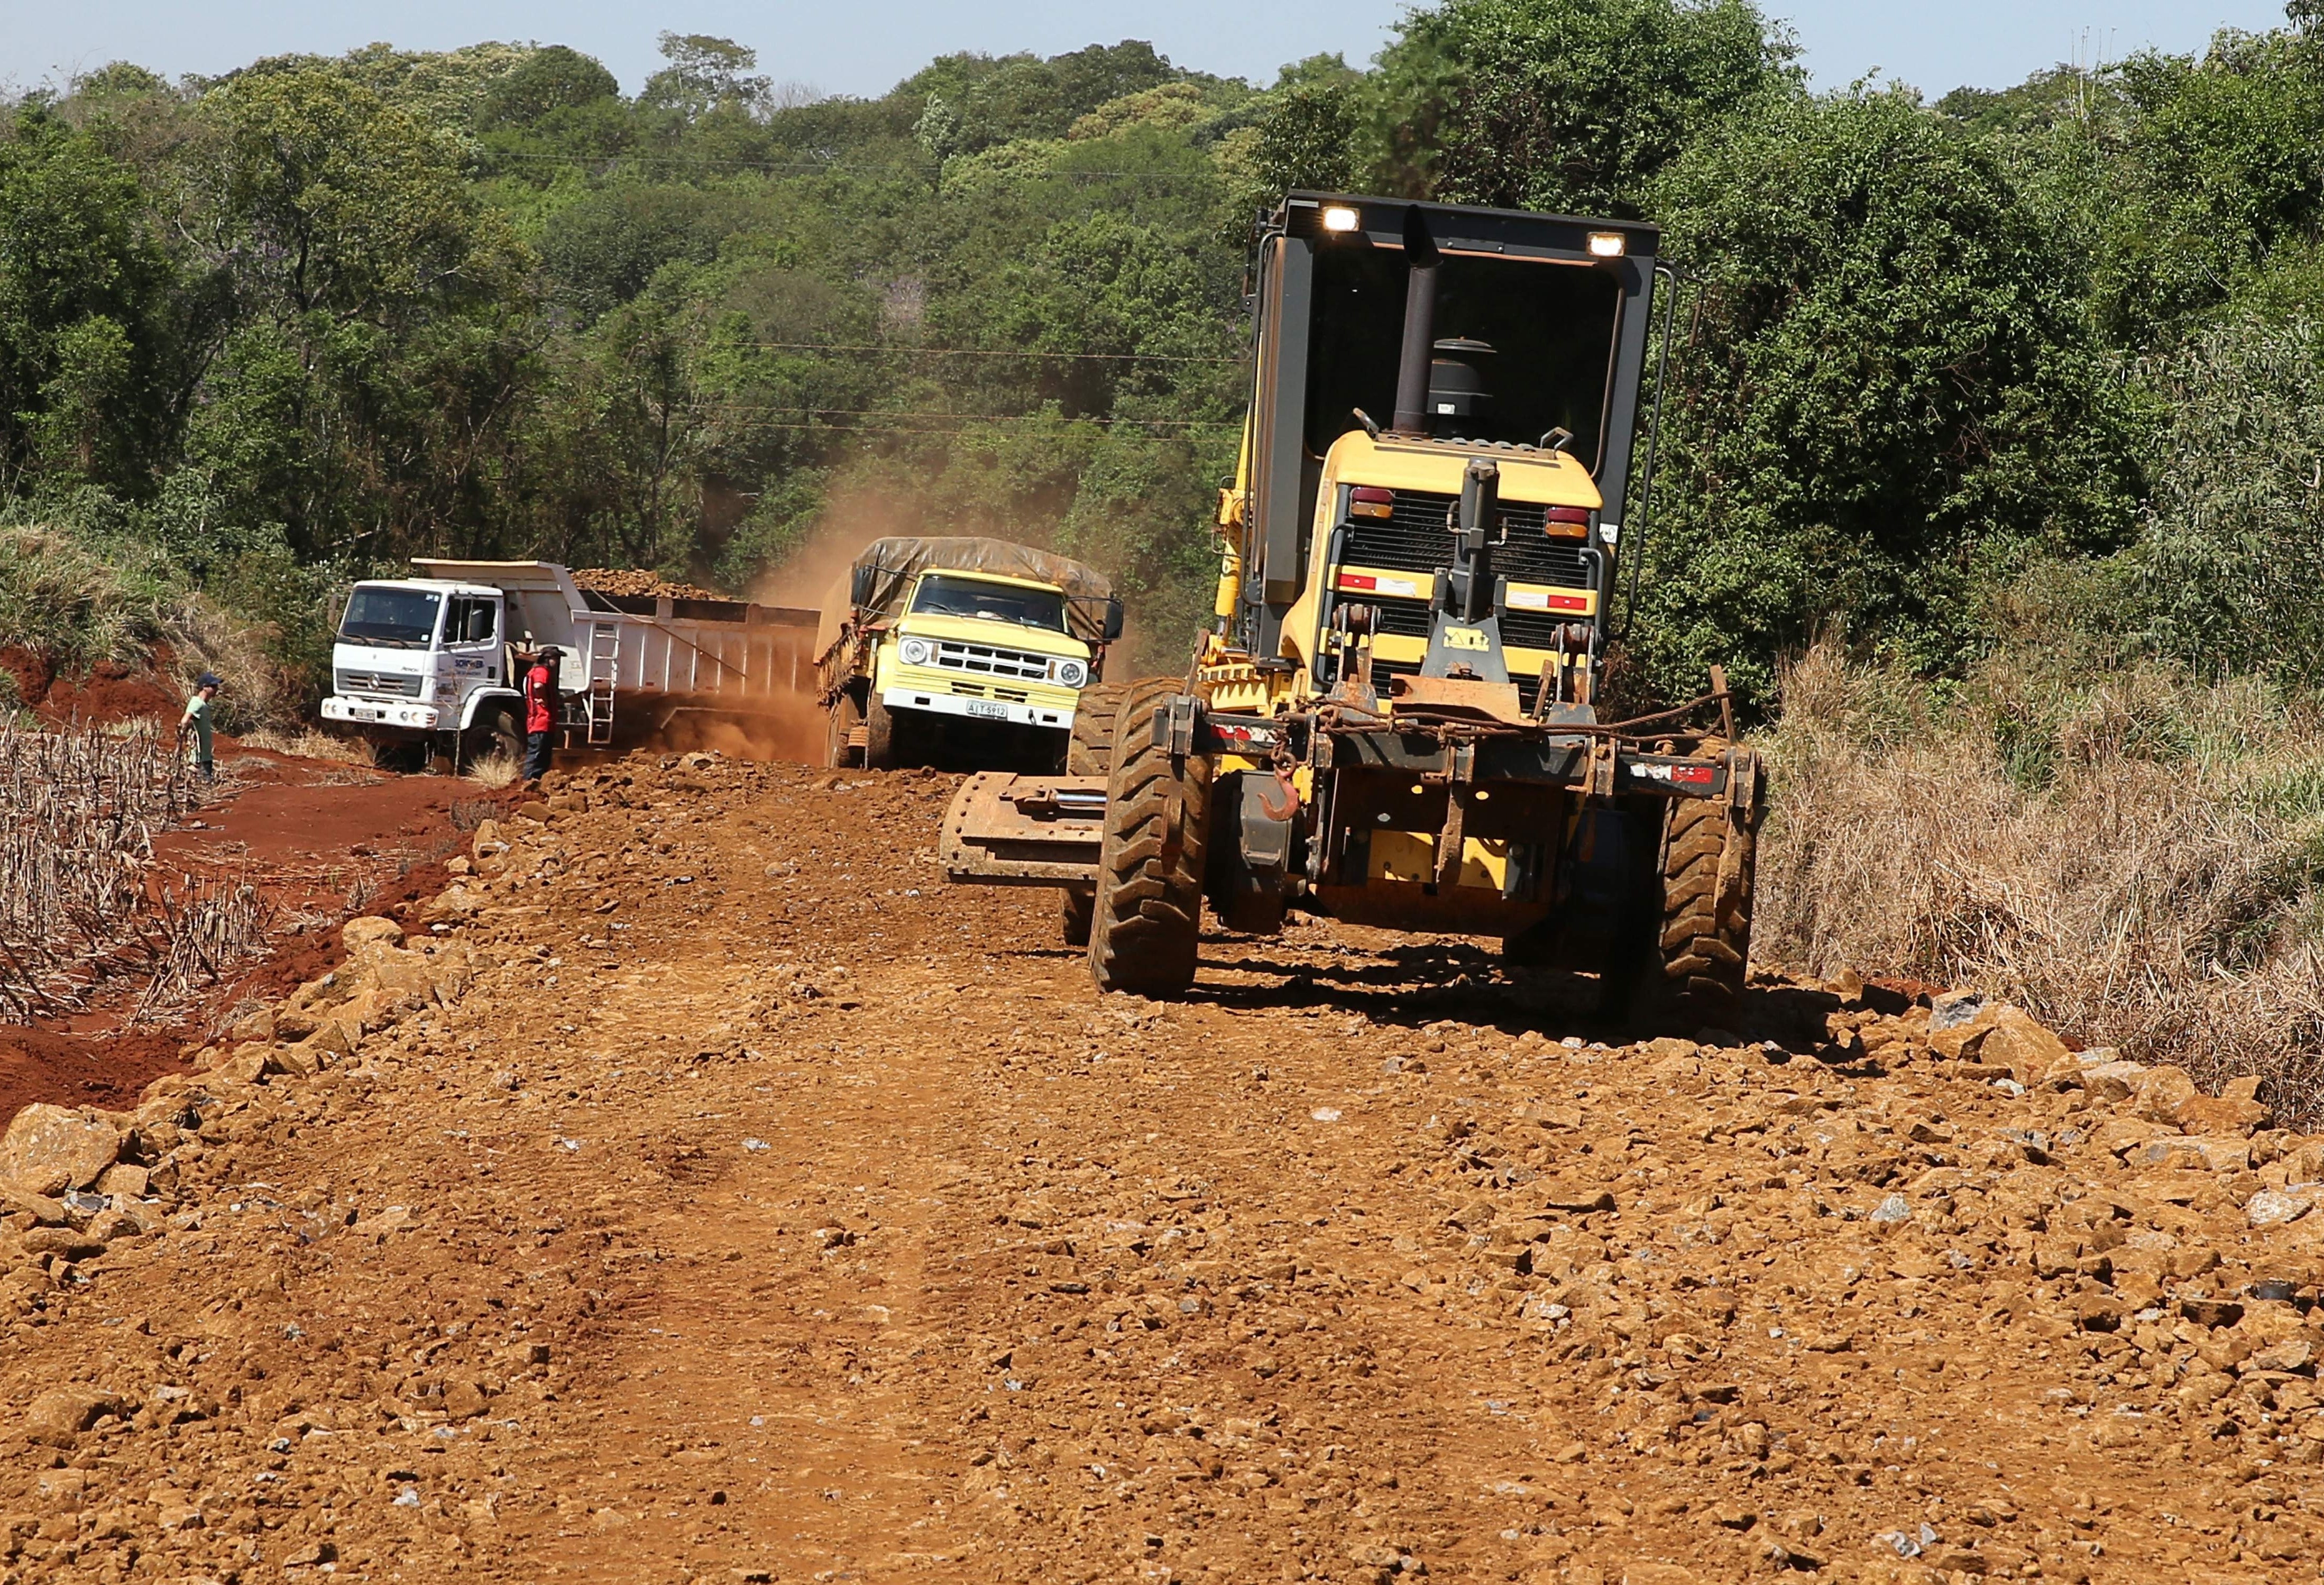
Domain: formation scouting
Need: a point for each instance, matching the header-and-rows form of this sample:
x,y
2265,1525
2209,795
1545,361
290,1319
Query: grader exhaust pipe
x,y
1419,325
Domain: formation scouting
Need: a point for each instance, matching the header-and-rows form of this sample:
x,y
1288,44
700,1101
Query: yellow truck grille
x,y
990,660
977,690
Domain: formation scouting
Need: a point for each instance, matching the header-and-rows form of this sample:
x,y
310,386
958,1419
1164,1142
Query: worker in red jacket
x,y
540,700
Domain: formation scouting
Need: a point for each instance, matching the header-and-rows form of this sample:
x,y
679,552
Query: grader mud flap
x,y
1007,830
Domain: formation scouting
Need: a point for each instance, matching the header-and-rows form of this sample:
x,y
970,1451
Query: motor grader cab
x,y
1394,719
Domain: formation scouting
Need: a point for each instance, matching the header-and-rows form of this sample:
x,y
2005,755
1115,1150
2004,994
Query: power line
x,y
819,167
906,429
984,351
874,413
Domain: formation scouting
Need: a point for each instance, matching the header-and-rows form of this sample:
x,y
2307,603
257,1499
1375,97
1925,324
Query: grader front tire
x,y
1088,752
1146,925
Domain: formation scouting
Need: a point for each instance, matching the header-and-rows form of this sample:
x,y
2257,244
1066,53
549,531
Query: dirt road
x,y
717,1196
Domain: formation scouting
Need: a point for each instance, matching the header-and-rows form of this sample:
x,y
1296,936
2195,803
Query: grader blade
x,y
1007,830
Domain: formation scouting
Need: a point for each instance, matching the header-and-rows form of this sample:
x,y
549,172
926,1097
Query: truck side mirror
x,y
1112,618
859,586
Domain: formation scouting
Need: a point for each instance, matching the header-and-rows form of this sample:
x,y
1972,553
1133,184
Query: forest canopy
x,y
307,320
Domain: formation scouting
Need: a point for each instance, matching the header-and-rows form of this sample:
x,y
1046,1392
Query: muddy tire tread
x,y
1145,928
1705,939
1089,751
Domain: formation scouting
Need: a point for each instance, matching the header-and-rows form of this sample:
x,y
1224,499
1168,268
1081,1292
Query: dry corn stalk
x,y
79,902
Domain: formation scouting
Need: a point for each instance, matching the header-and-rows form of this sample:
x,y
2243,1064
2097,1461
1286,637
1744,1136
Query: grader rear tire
x,y
1088,752
1146,926
1705,945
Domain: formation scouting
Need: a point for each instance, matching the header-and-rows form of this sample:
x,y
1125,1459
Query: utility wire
x,y
982,352
874,413
817,168
908,429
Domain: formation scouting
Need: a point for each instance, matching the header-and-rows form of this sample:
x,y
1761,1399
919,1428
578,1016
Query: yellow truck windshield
x,y
939,595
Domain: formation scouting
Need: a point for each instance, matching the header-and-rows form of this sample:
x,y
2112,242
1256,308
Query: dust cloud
x,y
850,523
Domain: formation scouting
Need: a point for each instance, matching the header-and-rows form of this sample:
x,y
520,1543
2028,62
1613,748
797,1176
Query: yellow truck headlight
x,y
917,651
1071,673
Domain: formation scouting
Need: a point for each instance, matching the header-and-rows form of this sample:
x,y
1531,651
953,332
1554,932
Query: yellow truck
x,y
1395,719
960,650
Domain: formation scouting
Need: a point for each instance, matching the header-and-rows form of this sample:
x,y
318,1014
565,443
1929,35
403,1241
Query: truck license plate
x,y
987,710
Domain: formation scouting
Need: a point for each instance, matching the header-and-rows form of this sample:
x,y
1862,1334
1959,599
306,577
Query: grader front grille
x,y
1417,536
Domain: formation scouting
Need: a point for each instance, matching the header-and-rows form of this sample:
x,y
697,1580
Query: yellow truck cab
x,y
963,650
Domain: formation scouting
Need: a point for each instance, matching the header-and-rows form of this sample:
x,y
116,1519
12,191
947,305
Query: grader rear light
x,y
1567,514
1608,245
1370,501
1340,218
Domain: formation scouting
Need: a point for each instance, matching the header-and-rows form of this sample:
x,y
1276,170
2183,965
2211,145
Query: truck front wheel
x,y
495,737
884,736
1089,751
1704,948
1147,918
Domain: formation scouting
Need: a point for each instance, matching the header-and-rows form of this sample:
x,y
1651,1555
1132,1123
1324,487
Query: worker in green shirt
x,y
196,722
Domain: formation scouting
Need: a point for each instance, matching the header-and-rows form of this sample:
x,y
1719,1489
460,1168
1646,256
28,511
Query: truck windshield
x,y
400,619
947,596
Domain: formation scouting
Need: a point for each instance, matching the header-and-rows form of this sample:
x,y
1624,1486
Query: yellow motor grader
x,y
1393,721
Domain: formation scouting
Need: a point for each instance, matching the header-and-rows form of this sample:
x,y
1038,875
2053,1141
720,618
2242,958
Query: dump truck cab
x,y
959,649
416,656
978,646
1394,719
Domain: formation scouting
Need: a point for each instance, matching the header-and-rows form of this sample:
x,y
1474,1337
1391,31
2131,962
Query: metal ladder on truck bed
x,y
604,666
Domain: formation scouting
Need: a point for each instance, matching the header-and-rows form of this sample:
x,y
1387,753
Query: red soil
x,y
110,692
78,1070
323,841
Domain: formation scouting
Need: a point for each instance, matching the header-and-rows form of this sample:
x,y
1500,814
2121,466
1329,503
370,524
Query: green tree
x,y
2233,551
1312,133
551,79
87,313
357,253
704,74
1886,392
1566,105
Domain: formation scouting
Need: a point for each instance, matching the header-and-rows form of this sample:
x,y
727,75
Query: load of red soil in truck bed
x,y
608,580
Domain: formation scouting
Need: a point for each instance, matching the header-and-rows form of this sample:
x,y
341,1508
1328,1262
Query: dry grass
x,y
493,771
307,742
203,636
2137,863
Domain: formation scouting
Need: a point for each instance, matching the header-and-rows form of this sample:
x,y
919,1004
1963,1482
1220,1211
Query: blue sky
x,y
866,46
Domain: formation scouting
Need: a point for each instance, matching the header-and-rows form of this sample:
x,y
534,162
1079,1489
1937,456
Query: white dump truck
x,y
427,666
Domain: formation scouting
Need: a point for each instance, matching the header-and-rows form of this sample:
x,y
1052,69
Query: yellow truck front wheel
x,y
883,736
